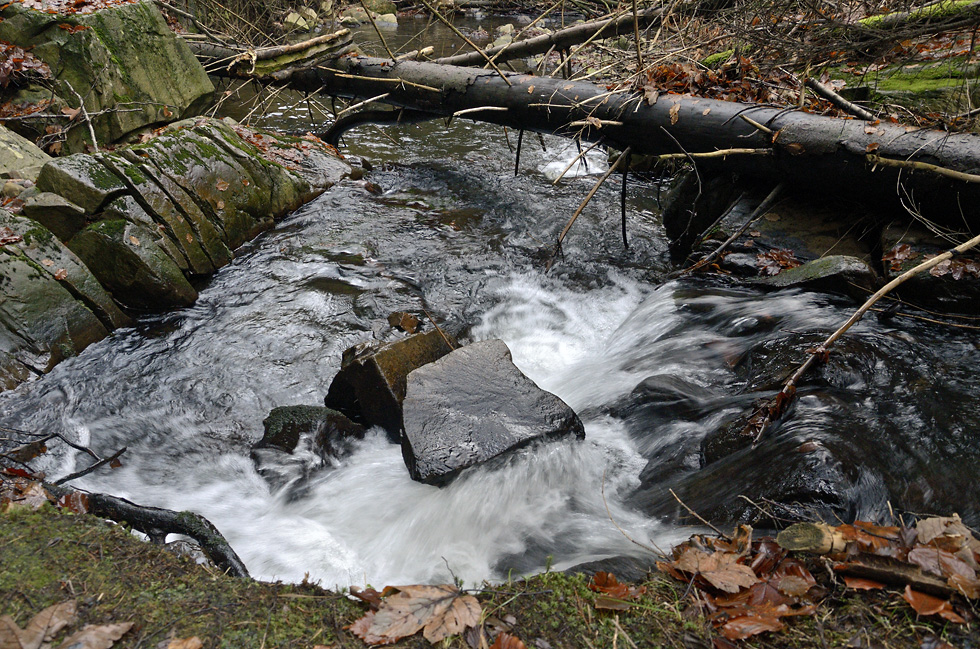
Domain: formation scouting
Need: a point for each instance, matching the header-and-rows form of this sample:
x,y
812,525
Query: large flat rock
x,y
473,405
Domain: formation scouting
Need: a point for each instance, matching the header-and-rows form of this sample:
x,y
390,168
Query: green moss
x,y
715,60
932,12
111,228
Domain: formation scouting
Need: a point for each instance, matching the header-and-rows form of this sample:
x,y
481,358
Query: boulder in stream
x,y
473,405
299,440
371,383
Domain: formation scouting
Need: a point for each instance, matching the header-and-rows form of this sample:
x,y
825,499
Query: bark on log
x,y
559,40
810,152
823,154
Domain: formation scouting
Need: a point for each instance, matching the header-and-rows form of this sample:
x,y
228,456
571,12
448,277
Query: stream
x,y
442,224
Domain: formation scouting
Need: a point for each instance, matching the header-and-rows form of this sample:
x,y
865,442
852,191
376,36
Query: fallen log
x,y
809,152
559,40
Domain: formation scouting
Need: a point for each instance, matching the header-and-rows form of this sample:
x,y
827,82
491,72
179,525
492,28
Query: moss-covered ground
x,y
49,556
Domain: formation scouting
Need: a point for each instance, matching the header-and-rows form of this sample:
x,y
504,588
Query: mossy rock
x,y
18,153
950,85
48,253
127,208
56,213
127,58
832,274
82,179
165,211
44,322
127,261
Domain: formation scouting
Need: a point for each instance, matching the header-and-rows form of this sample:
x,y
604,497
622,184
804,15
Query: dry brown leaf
x,y
674,110
47,262
924,604
745,626
860,583
133,240
507,641
940,562
39,630
221,205
222,185
966,586
96,636
720,569
61,274
606,603
185,643
794,586
440,611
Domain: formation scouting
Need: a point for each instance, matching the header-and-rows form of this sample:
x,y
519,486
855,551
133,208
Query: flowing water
x,y
445,226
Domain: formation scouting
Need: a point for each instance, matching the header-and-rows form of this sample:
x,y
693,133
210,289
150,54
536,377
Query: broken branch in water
x,y
585,202
773,408
756,214
924,166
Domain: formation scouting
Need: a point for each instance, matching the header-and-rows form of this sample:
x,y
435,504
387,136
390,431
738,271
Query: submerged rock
x,y
287,425
831,274
299,440
473,405
371,383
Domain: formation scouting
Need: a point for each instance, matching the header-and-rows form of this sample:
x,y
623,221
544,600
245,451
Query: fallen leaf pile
x,y
67,7
288,154
958,267
20,489
737,80
44,626
748,586
775,261
17,64
936,560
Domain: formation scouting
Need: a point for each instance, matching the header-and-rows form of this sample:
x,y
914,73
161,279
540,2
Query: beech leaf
x,y
39,630
924,604
745,626
507,641
439,611
860,583
92,636
192,642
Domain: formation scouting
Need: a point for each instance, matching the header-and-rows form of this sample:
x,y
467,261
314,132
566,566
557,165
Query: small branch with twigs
x,y
775,407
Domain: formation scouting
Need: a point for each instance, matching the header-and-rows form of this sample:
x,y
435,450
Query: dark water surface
x,y
652,368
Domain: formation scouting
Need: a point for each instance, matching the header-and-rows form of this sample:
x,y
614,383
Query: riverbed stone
x,y
82,179
18,154
833,274
127,208
370,386
287,424
473,405
164,210
42,248
44,323
56,213
125,259
953,286
124,57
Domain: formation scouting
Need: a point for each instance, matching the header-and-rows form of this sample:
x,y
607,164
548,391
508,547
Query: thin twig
x,y
377,31
460,34
768,412
698,516
438,328
585,202
923,166
837,100
602,490
756,214
90,469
